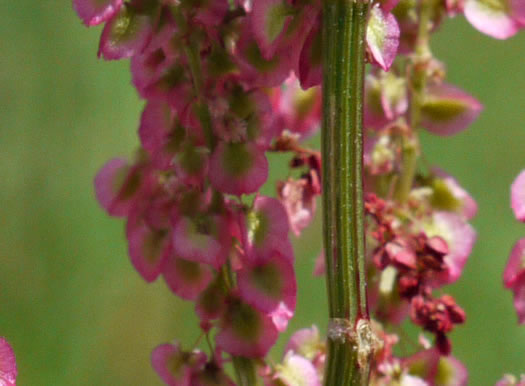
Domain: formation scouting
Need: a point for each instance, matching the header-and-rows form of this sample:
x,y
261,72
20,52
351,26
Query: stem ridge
x,y
344,27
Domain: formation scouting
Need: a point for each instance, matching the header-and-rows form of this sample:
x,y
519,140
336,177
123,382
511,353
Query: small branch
x,y
418,83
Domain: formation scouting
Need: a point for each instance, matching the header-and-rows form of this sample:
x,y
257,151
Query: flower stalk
x,y
418,84
344,27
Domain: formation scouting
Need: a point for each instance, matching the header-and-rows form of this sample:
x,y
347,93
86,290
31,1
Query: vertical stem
x,y
344,27
417,85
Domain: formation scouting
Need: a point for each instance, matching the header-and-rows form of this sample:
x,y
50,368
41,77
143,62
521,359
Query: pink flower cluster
x,y
228,81
514,274
190,197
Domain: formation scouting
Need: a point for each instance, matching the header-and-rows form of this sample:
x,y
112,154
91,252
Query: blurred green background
x,y
72,306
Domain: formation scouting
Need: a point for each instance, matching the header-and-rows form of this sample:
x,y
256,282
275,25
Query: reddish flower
x,y
125,35
8,370
517,196
265,229
205,240
299,110
459,236
448,110
449,195
238,168
310,61
437,316
175,366
500,19
245,331
382,37
266,282
298,198
295,370
186,278
93,12
385,99
514,277
511,380
211,303
116,186
148,248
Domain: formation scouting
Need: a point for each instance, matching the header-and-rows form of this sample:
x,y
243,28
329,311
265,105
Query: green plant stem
x,y
344,27
418,84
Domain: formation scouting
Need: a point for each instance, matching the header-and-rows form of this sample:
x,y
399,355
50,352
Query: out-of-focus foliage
x,y
72,306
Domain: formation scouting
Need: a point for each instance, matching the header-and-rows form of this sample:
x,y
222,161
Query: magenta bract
x,y
174,366
382,37
125,35
238,168
93,12
245,331
448,110
517,197
186,278
8,370
500,19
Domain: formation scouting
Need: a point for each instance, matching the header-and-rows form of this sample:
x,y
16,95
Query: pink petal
x,y
211,303
244,331
468,206
156,132
299,110
452,372
8,370
148,248
116,185
460,237
238,168
517,196
174,366
296,370
125,35
267,228
212,13
258,71
382,37
410,380
93,12
510,380
519,299
281,315
385,99
448,110
491,18
202,240
518,11
305,342
320,265
310,60
515,265
264,283
423,363
158,72
299,203
186,278
191,164
388,5
269,19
